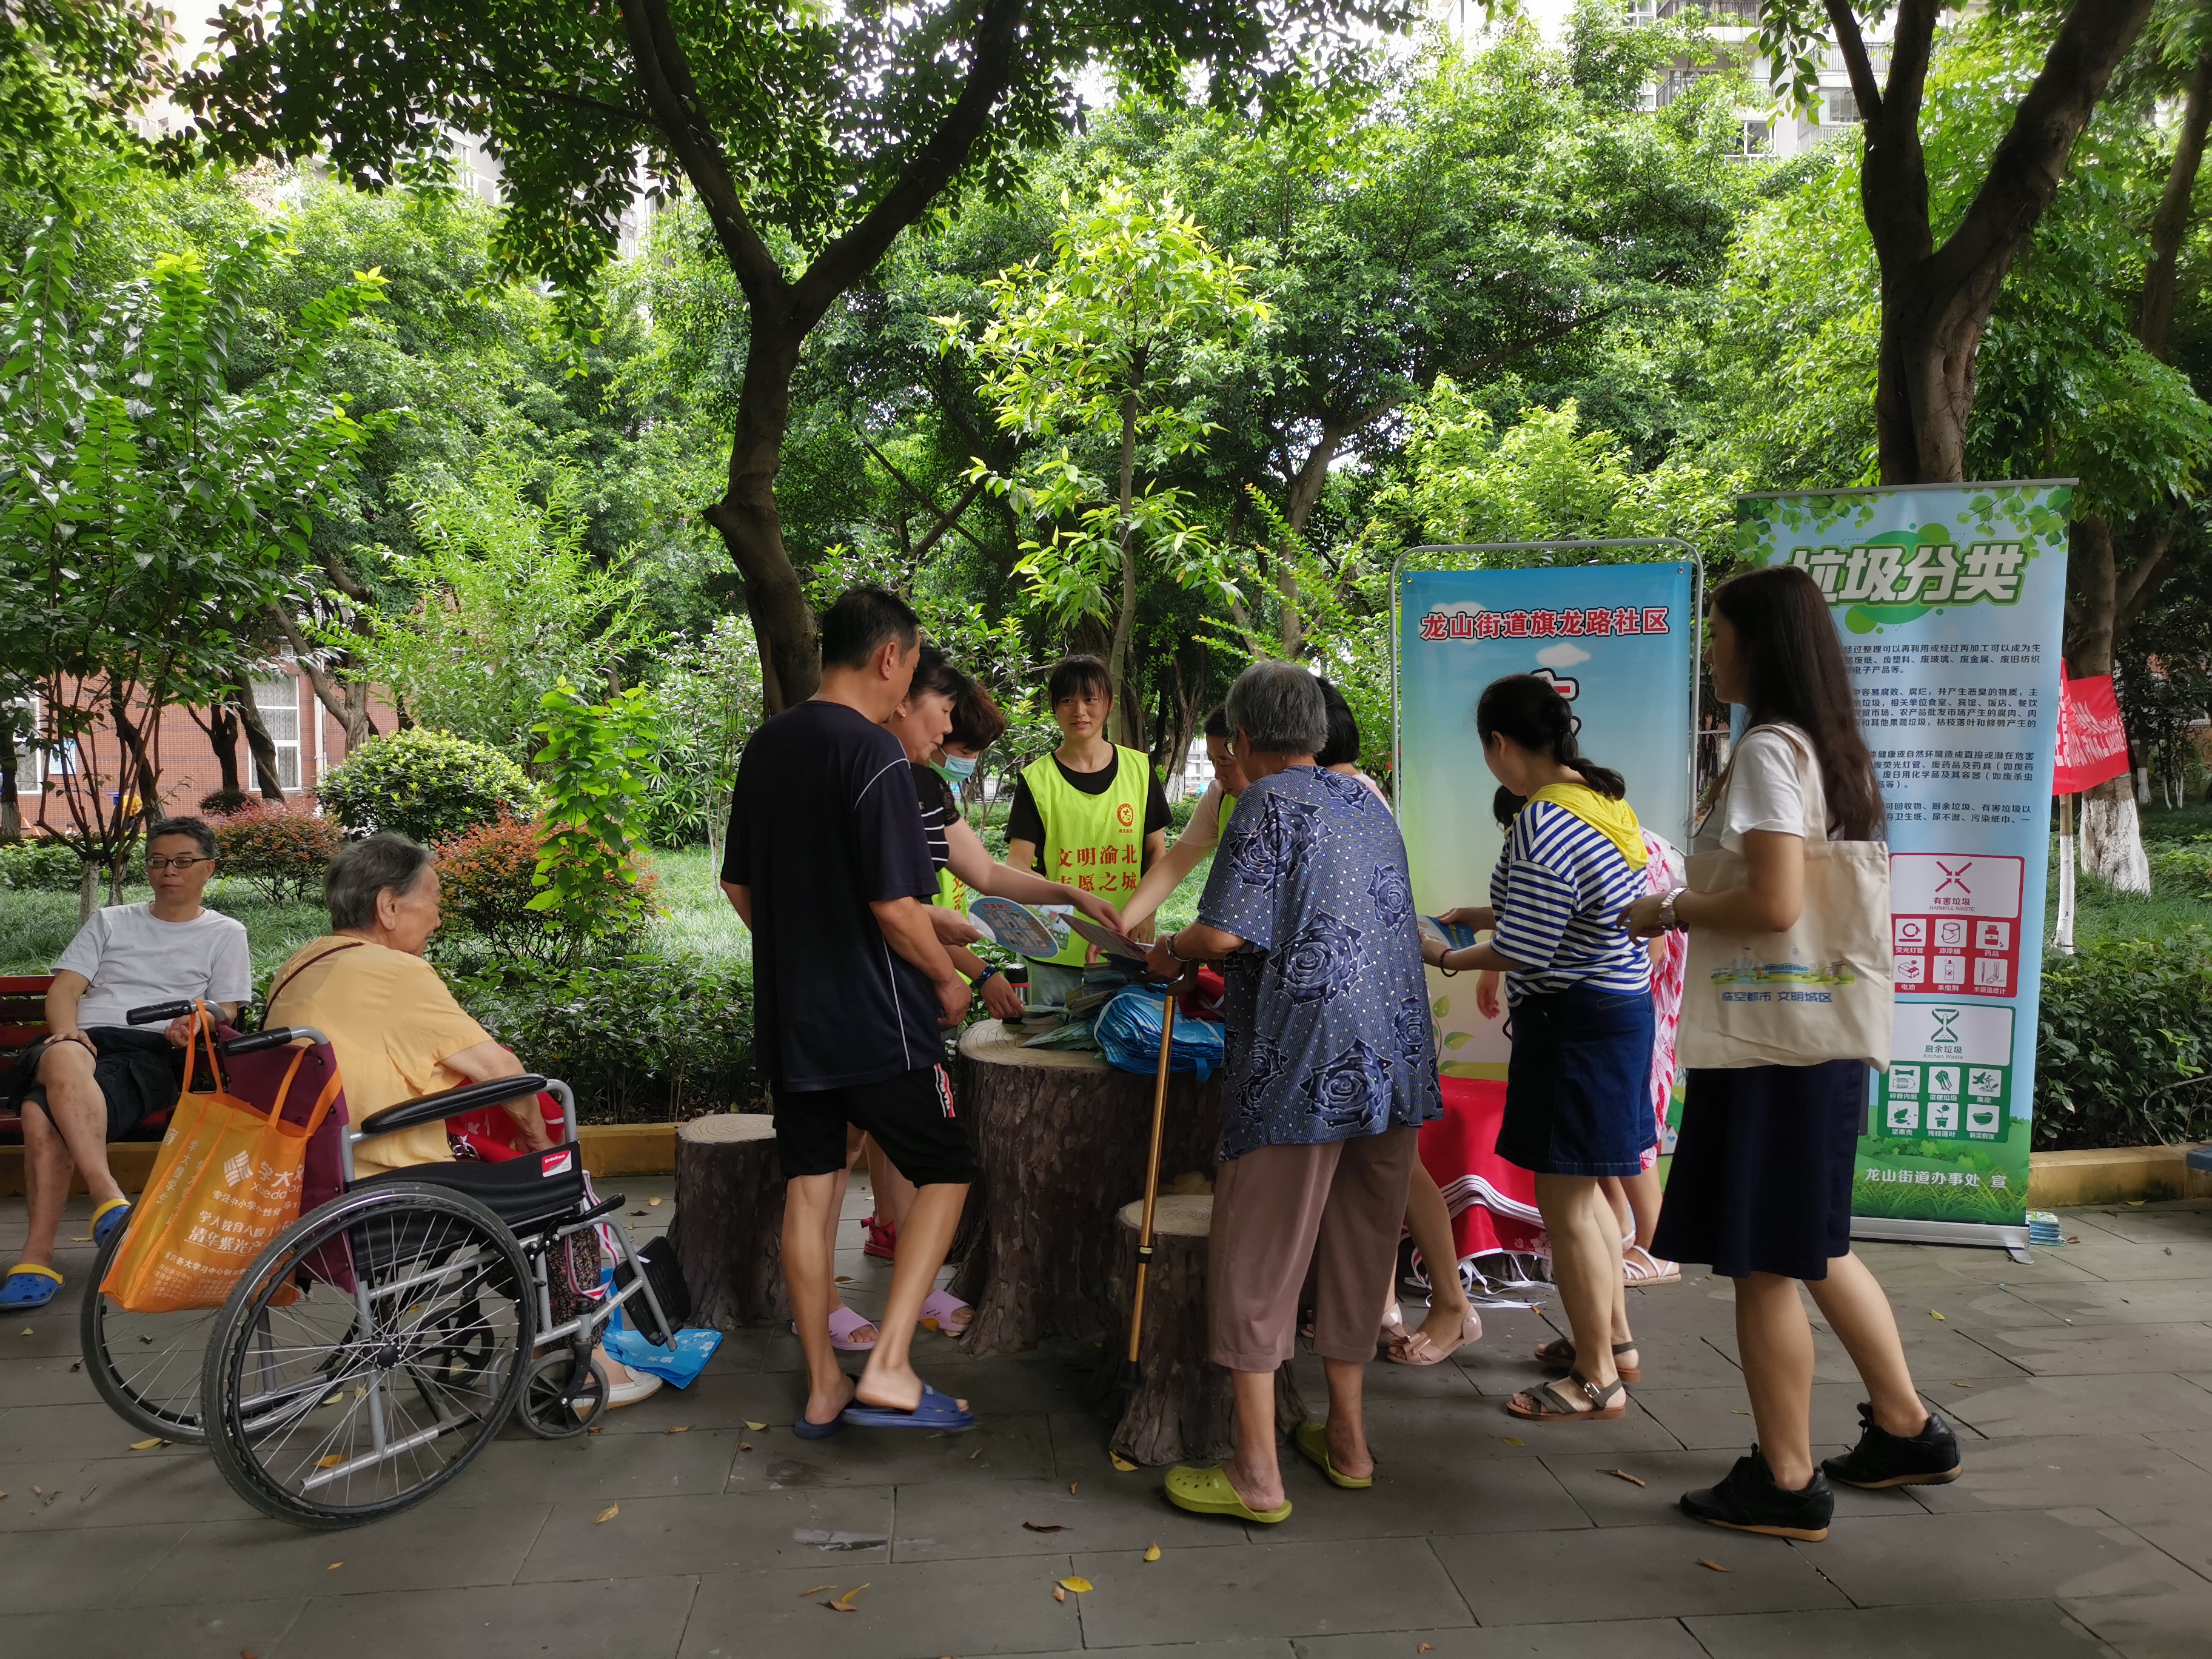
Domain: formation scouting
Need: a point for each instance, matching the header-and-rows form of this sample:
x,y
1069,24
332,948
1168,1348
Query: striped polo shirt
x,y
1559,892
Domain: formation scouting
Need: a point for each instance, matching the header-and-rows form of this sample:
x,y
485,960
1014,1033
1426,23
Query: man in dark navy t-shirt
x,y
827,864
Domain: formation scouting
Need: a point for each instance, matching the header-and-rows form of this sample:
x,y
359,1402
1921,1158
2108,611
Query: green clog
x,y
1313,1442
1207,1492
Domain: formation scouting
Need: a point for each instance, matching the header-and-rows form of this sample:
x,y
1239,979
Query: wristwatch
x,y
1666,909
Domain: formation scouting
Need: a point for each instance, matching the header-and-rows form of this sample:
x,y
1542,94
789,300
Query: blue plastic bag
x,y
1128,1031
679,1362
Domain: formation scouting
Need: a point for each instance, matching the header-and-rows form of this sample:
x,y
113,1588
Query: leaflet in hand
x,y
1027,931
1113,943
1452,935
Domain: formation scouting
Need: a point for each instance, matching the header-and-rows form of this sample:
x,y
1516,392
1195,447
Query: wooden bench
x,y
22,1023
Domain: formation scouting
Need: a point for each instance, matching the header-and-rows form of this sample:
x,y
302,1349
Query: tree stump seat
x,y
728,1228
1061,1140
1182,1409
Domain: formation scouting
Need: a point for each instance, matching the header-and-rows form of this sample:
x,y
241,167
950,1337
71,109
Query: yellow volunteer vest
x,y
1096,842
951,891
1228,811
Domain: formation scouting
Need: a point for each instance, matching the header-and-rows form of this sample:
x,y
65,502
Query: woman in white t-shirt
x,y
1761,1181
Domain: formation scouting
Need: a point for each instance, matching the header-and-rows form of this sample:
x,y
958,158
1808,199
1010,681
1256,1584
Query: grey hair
x,y
363,869
1279,706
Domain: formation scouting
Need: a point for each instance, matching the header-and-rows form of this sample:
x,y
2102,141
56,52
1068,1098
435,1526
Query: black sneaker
x,y
1748,1500
1928,1458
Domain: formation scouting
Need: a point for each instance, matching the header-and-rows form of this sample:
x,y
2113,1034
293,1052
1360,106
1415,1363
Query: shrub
x,y
38,867
282,854
595,759
427,785
641,1039
2124,1057
484,881
222,803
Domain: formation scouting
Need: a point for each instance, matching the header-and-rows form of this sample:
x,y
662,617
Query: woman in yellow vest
x,y
1201,835
1090,815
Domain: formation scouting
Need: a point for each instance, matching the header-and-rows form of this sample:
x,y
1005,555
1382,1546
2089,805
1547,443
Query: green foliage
x,y
640,1038
595,763
2124,1045
44,865
509,603
281,855
425,784
705,694
71,71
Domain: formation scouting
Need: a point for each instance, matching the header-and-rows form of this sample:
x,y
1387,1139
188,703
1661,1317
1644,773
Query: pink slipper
x,y
843,1322
939,1308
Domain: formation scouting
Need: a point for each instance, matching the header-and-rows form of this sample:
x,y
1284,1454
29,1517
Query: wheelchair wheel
x,y
328,1404
550,1410
146,1366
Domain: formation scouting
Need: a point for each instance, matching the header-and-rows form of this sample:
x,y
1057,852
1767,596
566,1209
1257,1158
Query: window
x,y
1841,108
276,701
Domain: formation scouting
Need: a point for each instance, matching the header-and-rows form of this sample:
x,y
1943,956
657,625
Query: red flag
x,y
2092,746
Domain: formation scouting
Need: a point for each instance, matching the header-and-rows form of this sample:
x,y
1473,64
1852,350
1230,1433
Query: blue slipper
x,y
806,1431
29,1286
116,1212
937,1411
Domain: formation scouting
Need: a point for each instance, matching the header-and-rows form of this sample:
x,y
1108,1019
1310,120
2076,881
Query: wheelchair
x,y
383,1339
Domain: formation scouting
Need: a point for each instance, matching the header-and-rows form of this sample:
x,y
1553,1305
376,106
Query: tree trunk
x,y
11,810
221,727
2162,277
1182,1409
2112,830
1126,711
1061,1140
750,525
2112,836
262,746
728,1229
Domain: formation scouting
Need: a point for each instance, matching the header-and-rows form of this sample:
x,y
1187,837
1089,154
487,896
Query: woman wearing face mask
x,y
945,711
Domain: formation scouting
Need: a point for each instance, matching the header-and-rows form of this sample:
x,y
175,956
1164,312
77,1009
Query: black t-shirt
x,y
1026,823
934,796
822,824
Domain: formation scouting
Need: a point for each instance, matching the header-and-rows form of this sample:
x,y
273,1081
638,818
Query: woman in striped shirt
x,y
1580,991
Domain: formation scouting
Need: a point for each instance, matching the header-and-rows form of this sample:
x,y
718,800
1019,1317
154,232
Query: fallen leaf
x,y
1633,1479
26,1331
1058,1594
755,1427
844,1278
1738,1411
637,1213
81,1238
2169,1250
2073,1238
973,1456
1078,1585
51,1495
247,1653
680,1428
2135,1204
334,1566
331,1462
1120,1462
1039,1526
844,1603
1426,1647
77,1364
1932,1314
148,1446
744,1445
1962,1385
1512,1440
656,1205
607,1515
1071,1488
815,1591
1706,1561
38,1492
1152,1553
594,1429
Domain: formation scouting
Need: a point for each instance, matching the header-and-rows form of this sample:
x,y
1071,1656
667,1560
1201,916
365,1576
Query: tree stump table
x,y
1182,1409
728,1228
1059,1140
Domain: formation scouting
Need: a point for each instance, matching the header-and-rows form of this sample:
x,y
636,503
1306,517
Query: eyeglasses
x,y
178,863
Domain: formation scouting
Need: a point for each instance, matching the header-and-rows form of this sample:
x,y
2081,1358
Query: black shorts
x,y
139,1073
910,1115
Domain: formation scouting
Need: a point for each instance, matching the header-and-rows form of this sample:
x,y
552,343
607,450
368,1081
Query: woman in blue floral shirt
x,y
1331,1069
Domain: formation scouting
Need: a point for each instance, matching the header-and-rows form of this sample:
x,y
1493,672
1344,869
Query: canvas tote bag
x,y
227,1181
1819,992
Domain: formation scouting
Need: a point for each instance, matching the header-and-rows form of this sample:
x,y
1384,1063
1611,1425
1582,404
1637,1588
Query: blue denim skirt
x,y
1578,1091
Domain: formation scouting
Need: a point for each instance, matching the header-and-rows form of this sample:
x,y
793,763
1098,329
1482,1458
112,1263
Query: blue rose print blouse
x,y
1328,1034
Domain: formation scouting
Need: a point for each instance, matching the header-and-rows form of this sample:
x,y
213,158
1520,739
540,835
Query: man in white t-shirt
x,y
95,1077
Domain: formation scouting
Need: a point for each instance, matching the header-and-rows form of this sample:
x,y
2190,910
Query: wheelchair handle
x,y
275,1038
163,1012
449,1102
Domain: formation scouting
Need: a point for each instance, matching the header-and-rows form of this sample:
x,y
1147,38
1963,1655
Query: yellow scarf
x,y
1614,819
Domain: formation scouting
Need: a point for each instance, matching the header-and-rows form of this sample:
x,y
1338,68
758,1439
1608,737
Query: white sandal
x,y
1639,1266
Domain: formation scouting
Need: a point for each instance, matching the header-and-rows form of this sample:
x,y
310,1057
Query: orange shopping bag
x,y
226,1183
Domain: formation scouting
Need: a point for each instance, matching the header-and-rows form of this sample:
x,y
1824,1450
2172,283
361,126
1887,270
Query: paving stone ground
x,y
2081,1383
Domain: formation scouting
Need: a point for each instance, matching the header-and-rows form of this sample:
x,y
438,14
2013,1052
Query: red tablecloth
x,y
1492,1203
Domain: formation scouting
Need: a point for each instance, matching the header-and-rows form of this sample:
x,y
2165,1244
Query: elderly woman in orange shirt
x,y
397,1030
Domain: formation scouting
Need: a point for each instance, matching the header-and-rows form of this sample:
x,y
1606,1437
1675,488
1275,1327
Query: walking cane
x,y
1132,1373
